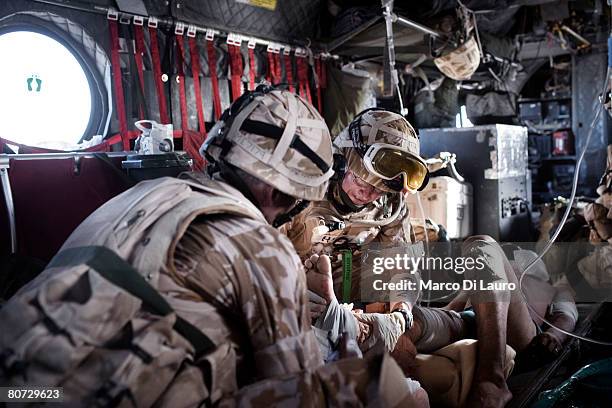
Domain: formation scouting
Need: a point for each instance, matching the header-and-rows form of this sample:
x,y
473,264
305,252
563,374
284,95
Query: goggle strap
x,y
341,141
355,135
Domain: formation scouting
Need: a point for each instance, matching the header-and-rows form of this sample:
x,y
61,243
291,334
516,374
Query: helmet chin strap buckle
x,y
288,216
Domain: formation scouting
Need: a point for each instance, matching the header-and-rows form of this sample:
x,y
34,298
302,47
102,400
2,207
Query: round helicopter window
x,y
46,98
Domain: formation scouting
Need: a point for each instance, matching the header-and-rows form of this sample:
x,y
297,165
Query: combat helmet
x,y
277,137
382,148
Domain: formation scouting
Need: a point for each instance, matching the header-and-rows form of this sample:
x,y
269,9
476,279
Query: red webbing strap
x,y
270,71
180,58
278,72
212,67
274,68
236,70
191,144
252,68
105,146
191,140
289,71
159,85
119,97
195,71
303,78
318,73
138,51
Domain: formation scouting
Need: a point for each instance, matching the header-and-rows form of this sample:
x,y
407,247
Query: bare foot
x,y
552,342
319,276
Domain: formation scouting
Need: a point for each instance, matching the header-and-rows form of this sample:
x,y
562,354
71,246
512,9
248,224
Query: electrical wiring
x,y
597,111
422,211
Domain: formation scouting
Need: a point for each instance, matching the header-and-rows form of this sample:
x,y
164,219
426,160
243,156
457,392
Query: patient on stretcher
x,y
444,333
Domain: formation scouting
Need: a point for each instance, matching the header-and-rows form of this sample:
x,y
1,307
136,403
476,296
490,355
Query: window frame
x,y
98,93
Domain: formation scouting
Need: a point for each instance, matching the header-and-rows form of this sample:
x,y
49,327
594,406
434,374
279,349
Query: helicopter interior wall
x,y
52,197
290,20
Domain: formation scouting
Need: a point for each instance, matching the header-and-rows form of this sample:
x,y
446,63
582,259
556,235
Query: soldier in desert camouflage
x,y
366,206
363,208
207,246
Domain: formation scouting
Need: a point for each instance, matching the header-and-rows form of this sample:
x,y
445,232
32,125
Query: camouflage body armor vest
x,y
94,324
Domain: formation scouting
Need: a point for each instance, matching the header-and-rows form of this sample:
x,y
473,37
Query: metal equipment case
x,y
493,159
447,202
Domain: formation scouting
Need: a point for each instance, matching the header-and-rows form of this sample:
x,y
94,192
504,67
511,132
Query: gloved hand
x,y
316,305
385,328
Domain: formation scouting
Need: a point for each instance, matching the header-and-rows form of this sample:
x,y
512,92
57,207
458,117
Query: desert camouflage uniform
x,y
241,283
233,277
304,233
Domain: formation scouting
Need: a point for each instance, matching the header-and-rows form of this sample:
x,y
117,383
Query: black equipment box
x,y
531,111
150,166
493,158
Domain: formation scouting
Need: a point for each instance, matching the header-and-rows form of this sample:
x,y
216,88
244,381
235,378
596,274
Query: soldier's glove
x,y
316,305
385,328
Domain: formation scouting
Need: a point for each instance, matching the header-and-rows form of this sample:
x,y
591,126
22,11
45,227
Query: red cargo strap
x,y
138,51
252,68
212,67
191,144
195,71
191,140
180,58
270,68
303,78
119,97
278,72
289,70
159,85
236,70
274,69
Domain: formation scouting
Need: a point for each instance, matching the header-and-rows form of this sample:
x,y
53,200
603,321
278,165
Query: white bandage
x,y
386,328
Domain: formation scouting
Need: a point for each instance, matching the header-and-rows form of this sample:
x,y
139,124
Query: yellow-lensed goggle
x,y
399,169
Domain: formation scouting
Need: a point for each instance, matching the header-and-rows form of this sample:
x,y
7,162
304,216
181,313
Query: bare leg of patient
x,y
501,317
520,329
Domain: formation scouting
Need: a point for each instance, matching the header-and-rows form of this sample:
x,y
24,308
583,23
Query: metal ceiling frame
x,y
403,21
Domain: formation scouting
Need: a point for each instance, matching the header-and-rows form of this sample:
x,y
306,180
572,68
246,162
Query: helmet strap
x,y
286,217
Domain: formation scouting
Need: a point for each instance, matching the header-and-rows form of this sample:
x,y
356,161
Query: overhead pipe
x,y
417,26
